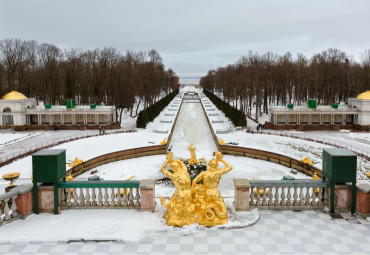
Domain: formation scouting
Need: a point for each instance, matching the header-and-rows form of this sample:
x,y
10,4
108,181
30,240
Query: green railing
x,y
99,194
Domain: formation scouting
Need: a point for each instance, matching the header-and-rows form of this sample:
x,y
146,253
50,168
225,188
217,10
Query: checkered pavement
x,y
287,232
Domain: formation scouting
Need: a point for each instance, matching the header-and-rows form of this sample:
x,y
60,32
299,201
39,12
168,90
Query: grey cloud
x,y
192,36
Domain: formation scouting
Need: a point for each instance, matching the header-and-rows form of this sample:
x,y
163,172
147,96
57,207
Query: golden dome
x,y
14,95
365,95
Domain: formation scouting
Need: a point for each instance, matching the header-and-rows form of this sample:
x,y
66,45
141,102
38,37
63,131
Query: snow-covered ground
x,y
109,224
10,138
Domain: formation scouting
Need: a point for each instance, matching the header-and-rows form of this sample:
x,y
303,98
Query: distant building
x,y
354,115
16,110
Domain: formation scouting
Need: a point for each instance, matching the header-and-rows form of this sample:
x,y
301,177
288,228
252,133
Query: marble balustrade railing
x,y
289,194
8,204
100,194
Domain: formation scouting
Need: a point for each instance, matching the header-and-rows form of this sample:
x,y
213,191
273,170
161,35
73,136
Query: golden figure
x,y
75,162
164,142
210,206
315,177
193,158
221,141
180,209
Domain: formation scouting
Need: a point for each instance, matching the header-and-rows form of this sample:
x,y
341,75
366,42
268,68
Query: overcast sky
x,y
192,36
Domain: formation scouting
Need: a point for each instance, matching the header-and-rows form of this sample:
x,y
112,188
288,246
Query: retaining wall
x,y
116,156
270,156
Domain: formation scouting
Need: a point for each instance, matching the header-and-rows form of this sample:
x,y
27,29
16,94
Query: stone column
x,y
147,195
242,194
24,200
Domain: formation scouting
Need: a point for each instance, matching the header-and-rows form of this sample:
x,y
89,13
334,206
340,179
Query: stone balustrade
x,y
280,195
16,204
100,194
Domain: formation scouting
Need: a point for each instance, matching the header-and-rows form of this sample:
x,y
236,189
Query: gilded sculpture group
x,y
197,201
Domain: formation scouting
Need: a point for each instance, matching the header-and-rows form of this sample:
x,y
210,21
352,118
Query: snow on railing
x,y
32,149
289,194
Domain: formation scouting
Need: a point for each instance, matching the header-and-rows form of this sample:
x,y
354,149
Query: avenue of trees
x,y
133,80
255,81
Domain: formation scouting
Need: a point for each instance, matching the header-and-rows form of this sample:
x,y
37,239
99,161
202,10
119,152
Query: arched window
x,y
8,118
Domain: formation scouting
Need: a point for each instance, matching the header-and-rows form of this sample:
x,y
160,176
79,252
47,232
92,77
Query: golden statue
x,y
164,142
315,177
221,141
193,158
209,204
180,209
75,162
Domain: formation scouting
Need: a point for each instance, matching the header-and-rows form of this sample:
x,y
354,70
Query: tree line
x,y
133,80
256,81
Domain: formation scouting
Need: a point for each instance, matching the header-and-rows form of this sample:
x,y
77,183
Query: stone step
x,y
169,114
160,131
166,121
222,131
217,121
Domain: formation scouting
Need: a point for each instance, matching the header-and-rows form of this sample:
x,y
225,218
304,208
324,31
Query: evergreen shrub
x,y
150,113
236,116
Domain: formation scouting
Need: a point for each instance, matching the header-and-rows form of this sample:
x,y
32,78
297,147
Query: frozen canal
x,y
192,127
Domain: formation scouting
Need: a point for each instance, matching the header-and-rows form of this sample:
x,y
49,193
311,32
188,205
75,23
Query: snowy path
x,y
355,141
192,127
43,137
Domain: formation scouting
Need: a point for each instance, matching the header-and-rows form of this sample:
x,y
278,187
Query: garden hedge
x,y
150,113
236,116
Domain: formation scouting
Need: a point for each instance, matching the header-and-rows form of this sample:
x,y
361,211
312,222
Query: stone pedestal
x,y
343,197
147,195
363,198
46,199
24,200
242,194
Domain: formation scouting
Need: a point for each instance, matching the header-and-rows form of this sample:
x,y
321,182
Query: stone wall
x,y
270,156
116,156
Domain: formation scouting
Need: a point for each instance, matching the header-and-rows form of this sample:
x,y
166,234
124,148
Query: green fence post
x,y
353,206
35,199
56,197
332,196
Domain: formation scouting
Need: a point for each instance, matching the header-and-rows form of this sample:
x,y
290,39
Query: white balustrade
x,y
100,198
288,195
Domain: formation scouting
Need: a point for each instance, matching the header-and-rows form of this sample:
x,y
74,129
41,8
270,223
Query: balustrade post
x,y
242,189
147,195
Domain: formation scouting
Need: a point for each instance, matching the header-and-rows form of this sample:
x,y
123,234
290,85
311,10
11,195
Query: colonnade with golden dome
x,y
356,112
18,110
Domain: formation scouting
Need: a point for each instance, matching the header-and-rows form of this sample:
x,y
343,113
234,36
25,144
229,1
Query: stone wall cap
x,y
363,187
241,183
9,195
147,184
24,188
